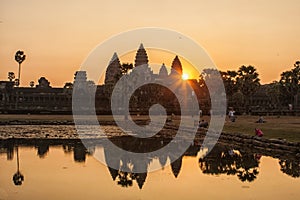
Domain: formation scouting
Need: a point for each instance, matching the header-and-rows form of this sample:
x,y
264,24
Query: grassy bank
x,y
284,127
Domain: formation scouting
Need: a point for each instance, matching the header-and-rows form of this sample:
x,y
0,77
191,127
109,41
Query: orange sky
x,y
58,35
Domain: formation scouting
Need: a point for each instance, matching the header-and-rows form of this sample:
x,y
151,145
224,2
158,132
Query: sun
x,y
185,76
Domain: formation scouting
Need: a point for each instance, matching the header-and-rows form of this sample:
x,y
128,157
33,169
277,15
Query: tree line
x,y
242,85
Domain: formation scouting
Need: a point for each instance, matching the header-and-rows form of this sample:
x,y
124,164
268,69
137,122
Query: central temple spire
x,y
141,46
141,57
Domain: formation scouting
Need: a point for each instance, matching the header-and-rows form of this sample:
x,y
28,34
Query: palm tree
x,y
229,79
248,83
211,78
19,57
18,178
125,179
274,91
68,85
125,67
290,80
230,84
290,167
11,76
31,84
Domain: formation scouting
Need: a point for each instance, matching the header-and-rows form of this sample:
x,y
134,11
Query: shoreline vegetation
x,y
286,128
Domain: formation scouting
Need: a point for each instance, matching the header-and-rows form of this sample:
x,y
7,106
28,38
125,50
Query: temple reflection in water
x,y
221,160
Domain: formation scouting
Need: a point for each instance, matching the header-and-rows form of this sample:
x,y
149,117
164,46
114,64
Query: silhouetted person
x,y
203,124
231,115
260,120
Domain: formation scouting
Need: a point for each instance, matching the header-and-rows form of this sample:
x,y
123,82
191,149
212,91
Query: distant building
x,y
41,99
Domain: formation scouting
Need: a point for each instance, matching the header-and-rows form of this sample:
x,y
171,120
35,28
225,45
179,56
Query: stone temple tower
x,y
141,57
176,68
141,71
163,72
113,71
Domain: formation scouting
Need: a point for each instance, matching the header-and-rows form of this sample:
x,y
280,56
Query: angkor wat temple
x,y
52,100
46,99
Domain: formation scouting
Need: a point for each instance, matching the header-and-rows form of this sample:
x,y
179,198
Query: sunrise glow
x,y
185,76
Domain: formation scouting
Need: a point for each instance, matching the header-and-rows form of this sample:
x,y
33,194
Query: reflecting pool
x,y
65,169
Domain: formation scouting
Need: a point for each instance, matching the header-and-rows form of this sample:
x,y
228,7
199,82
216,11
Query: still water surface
x,y
66,170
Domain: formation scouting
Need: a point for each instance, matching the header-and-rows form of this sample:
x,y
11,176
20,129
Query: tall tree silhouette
x,y
275,93
230,82
11,76
225,161
290,80
18,178
247,167
19,57
31,84
248,82
290,167
125,67
125,179
211,78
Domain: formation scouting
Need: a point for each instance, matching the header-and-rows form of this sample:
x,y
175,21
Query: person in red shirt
x,y
258,132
